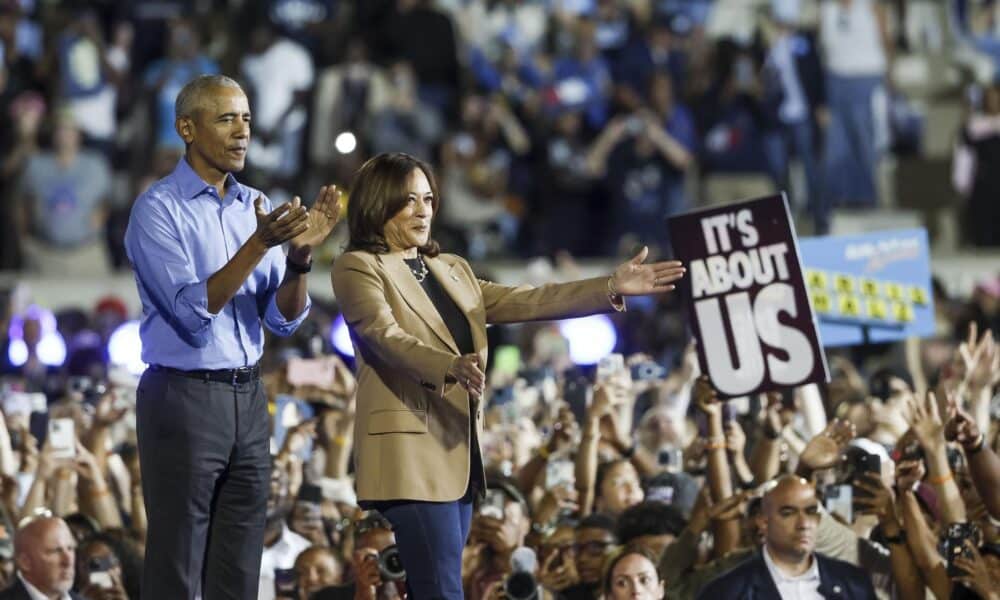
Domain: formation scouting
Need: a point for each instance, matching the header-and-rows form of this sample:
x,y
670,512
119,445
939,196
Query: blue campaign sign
x,y
879,281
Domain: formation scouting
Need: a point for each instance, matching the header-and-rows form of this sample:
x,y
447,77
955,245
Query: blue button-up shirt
x,y
179,234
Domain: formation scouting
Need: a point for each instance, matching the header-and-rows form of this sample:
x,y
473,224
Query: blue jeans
x,y
795,139
430,536
850,156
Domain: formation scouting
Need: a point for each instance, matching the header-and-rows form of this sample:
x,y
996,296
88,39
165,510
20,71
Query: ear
x,y
185,128
761,521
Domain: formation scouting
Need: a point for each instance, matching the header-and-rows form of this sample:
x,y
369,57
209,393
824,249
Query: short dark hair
x,y
616,557
370,521
649,518
378,193
598,521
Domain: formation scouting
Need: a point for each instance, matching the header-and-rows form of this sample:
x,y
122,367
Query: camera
x,y
648,371
854,463
90,390
521,583
390,566
952,544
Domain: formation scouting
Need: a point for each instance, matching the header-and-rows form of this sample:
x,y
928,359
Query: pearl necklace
x,y
421,273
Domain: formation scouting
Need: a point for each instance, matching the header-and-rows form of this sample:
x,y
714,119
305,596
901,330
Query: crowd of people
x,y
628,478
624,480
604,115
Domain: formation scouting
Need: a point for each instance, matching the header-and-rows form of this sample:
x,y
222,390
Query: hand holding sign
x,y
633,278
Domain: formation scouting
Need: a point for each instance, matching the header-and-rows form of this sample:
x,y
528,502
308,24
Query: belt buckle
x,y
235,376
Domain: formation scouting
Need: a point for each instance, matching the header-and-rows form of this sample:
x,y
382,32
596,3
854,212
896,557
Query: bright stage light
x,y
125,348
340,337
51,347
345,142
590,338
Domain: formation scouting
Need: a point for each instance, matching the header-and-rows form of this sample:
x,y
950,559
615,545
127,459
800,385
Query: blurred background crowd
x,y
570,125
561,129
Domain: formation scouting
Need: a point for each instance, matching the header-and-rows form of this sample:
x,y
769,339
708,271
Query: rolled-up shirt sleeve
x,y
165,273
273,319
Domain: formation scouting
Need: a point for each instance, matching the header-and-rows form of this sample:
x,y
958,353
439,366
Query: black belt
x,y
233,376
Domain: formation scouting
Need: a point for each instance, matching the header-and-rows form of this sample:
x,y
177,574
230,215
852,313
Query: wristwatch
x,y
297,268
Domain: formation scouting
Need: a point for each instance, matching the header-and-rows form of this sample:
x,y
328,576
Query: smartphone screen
x,y
62,438
560,473
839,500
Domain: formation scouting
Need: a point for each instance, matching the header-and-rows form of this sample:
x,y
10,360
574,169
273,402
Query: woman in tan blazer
x,y
418,323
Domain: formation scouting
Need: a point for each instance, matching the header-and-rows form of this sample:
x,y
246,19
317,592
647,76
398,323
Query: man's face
x,y
49,562
592,545
218,132
791,518
317,570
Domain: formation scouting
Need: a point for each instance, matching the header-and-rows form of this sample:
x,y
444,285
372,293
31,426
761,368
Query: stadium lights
x,y
340,337
125,348
590,338
51,347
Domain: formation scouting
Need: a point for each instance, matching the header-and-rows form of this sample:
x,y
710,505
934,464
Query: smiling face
x,y
410,228
217,132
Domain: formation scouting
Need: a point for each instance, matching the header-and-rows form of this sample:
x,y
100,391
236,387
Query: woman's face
x,y
635,577
411,226
620,489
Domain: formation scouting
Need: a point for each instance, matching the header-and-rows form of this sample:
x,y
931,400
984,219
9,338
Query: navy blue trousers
x,y
430,536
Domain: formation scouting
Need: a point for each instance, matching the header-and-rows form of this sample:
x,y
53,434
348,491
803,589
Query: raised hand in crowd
x,y
367,579
976,574
824,449
983,462
558,571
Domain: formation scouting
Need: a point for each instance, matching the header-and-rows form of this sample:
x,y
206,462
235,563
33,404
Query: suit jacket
x,y
412,432
17,591
750,580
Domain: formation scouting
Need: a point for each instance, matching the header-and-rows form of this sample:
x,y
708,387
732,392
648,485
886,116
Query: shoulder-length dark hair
x,y
378,193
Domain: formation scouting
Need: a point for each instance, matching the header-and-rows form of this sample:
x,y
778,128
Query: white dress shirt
x,y
34,592
801,587
281,555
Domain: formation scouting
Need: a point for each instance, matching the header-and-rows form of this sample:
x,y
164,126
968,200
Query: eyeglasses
x,y
594,547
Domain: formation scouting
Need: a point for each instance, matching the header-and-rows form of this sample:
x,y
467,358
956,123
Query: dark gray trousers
x,y
206,472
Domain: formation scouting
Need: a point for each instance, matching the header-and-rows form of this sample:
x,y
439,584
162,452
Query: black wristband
x,y
297,268
629,452
771,434
896,539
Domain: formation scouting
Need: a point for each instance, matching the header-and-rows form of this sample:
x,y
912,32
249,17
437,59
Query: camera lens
x,y
521,585
390,566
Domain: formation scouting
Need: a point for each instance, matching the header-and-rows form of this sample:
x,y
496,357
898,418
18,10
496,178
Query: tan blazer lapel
x,y
456,285
415,297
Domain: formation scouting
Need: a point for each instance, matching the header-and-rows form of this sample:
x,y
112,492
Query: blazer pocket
x,y
397,421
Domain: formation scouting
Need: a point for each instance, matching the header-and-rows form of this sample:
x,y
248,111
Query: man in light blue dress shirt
x,y
206,252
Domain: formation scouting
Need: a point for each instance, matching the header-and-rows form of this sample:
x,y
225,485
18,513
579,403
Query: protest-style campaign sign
x,y
872,287
747,298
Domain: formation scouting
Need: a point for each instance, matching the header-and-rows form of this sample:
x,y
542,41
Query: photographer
x,y
499,527
374,562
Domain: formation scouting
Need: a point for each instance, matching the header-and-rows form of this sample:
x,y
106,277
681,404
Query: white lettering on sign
x,y
763,345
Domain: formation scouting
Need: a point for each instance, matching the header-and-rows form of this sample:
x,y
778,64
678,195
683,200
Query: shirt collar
x,y
34,593
812,574
192,185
